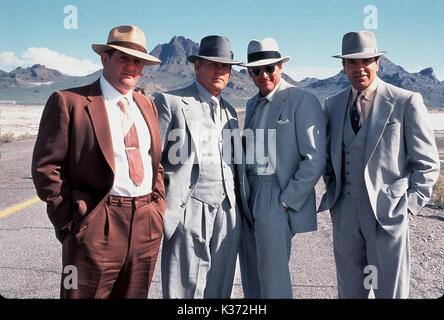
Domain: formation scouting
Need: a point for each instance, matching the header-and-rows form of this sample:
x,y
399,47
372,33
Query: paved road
x,y
30,256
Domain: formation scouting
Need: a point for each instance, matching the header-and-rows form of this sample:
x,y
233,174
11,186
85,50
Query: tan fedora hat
x,y
262,53
130,40
359,45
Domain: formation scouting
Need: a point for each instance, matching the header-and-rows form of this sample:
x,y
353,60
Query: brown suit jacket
x,y
73,159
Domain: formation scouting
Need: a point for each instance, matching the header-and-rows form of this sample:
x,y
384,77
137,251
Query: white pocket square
x,y
283,122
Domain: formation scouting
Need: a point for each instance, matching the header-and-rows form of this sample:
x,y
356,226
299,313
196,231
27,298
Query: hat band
x,y
129,45
263,55
360,50
215,52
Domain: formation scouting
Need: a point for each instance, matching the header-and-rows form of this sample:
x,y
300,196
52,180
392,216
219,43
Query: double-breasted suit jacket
x,y
73,160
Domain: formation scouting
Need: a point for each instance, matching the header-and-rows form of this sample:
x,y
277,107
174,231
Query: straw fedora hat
x,y
215,48
262,53
130,40
359,45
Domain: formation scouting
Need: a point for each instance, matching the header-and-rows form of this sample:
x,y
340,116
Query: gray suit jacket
x,y
401,158
179,131
299,123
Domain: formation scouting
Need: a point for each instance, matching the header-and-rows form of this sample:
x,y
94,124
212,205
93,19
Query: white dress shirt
x,y
123,185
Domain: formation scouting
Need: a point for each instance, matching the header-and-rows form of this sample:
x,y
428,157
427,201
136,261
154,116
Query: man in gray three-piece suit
x,y
290,123
382,164
205,182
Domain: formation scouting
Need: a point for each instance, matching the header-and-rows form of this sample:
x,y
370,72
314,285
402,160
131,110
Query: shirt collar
x,y
367,93
204,94
111,94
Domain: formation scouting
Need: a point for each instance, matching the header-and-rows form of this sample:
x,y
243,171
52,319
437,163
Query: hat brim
x,y
360,55
265,62
148,59
193,59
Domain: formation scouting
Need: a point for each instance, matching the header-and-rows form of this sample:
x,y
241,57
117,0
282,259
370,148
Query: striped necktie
x,y
131,141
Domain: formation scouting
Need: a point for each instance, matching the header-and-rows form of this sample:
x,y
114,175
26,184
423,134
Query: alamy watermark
x,y
371,18
371,281
259,146
71,21
70,281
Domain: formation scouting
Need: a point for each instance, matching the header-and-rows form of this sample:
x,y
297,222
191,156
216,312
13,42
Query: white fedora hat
x,y
130,40
359,45
262,53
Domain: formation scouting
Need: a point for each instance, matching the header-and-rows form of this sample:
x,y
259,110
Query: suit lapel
x,y
278,103
337,129
381,111
249,111
236,138
192,114
232,121
97,109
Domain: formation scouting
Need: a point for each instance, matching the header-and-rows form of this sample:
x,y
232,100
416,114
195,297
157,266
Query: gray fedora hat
x,y
359,45
215,48
262,53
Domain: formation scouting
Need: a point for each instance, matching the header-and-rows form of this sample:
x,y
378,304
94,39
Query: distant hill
x,y
424,82
33,85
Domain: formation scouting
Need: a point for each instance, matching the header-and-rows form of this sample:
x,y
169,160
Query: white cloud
x,y
300,73
48,58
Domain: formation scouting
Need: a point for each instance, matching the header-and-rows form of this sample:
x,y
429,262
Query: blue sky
x,y
309,31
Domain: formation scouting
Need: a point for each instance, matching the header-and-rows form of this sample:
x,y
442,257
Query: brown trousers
x,y
114,254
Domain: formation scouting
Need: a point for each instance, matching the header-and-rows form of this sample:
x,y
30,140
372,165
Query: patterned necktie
x,y
356,113
131,141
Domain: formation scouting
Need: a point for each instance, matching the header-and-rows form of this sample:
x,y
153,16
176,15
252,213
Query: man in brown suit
x,y
96,164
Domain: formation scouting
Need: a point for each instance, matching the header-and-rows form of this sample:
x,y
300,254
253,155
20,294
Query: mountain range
x,y
33,85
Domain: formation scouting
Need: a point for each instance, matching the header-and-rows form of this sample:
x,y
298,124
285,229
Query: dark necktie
x,y
356,113
131,141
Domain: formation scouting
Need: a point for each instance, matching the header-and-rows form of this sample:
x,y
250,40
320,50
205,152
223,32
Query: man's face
x,y
122,70
267,80
361,72
213,76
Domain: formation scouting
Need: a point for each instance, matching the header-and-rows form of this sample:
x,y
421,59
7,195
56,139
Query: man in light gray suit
x,y
205,182
290,123
382,164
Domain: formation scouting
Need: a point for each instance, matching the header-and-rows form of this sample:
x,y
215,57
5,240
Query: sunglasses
x,y
258,71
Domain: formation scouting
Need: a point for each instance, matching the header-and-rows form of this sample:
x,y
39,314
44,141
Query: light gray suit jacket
x,y
401,158
299,123
179,114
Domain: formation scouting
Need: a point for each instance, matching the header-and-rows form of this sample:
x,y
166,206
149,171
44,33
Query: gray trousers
x,y
366,255
199,260
265,249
